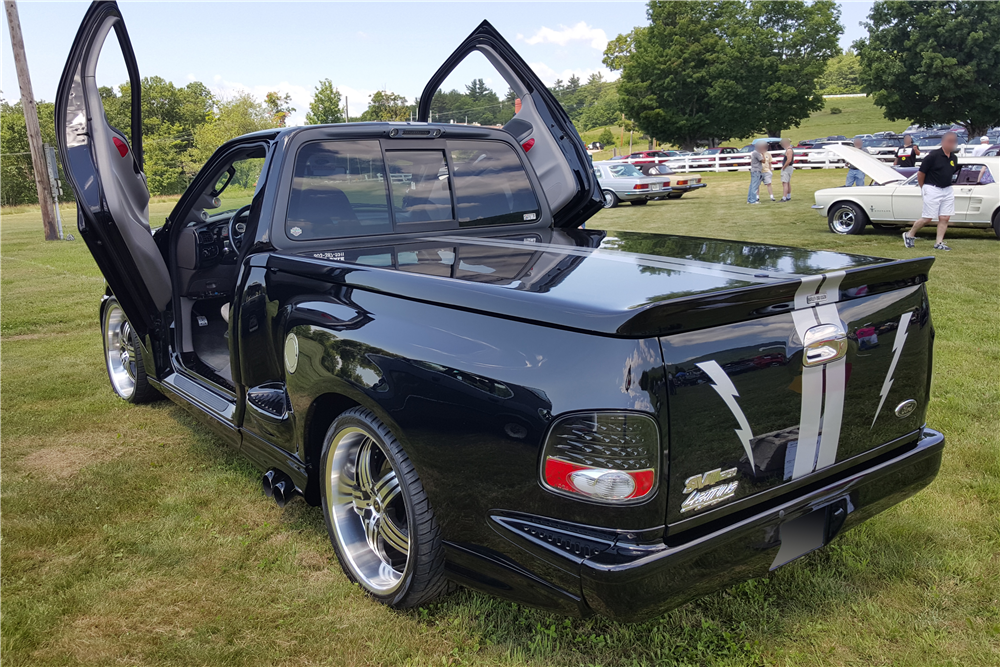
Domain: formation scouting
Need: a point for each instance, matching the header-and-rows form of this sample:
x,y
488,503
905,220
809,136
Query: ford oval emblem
x,y
906,408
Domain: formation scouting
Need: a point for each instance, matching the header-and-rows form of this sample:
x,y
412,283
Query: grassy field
x,y
858,115
131,536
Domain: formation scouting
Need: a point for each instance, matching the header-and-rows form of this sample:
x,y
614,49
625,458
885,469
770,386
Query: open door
x,y
540,125
105,171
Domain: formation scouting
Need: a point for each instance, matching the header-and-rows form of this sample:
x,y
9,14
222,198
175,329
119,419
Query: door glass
x,y
241,186
473,93
491,187
420,185
338,190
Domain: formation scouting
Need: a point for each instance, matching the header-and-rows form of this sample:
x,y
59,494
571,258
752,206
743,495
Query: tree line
x,y
698,72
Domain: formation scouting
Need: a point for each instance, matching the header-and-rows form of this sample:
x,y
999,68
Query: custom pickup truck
x,y
406,324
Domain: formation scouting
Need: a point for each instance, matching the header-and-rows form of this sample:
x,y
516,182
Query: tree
x,y
386,106
842,75
934,62
716,70
606,138
279,107
325,106
232,118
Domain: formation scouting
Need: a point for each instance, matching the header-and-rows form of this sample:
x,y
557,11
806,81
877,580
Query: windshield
x,y
928,141
624,171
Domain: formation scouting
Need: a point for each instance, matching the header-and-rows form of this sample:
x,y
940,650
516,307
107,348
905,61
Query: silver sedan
x,y
624,182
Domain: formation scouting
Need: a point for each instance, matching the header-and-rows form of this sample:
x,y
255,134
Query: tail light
x,y
611,457
528,145
641,186
682,182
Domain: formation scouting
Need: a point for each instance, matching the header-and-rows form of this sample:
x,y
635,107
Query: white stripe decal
x,y
726,390
819,290
833,404
812,404
897,347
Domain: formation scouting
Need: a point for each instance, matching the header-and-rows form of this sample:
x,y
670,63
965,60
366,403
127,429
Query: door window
x,y
338,190
491,186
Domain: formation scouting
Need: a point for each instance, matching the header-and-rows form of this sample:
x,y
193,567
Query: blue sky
x,y
361,47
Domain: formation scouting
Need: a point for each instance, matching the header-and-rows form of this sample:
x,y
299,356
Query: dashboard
x,y
207,256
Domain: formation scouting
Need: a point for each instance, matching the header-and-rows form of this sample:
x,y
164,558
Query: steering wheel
x,y
235,235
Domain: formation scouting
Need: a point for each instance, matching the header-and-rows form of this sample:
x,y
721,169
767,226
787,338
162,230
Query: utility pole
x,y
31,123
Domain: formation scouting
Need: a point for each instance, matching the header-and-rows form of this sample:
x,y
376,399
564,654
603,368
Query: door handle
x,y
823,344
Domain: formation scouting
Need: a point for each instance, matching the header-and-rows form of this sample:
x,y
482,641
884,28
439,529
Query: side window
x,y
491,186
236,186
421,186
338,190
597,173
974,174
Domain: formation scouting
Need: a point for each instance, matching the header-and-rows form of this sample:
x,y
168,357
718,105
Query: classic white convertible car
x,y
893,198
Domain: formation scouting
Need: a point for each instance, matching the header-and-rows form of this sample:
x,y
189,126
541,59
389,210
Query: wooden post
x,y
31,123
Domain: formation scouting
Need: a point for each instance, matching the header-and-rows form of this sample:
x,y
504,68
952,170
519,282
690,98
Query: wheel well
x,y
320,415
856,205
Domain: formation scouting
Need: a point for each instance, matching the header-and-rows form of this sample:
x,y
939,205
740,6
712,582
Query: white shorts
x,y
937,201
766,176
786,174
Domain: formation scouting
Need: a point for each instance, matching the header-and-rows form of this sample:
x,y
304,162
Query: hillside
x,y
858,116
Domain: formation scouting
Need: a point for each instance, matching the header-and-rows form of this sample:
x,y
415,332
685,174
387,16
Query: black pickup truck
x,y
406,324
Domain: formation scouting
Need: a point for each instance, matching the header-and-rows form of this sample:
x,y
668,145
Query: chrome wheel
x,y
119,351
843,221
610,199
367,509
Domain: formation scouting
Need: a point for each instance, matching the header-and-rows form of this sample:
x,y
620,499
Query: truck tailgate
x,y
748,421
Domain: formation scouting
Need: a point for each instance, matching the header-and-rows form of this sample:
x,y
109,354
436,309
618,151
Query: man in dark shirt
x,y
934,177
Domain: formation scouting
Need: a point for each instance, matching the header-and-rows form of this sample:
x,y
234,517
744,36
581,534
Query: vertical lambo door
x,y
104,168
542,127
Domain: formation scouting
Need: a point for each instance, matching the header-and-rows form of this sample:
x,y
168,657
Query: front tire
x,y
377,513
610,199
123,356
847,218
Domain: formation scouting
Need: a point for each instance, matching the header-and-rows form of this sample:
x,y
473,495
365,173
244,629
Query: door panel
x,y
106,174
907,202
541,125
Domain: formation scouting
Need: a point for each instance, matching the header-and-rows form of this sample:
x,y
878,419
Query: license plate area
x,y
806,533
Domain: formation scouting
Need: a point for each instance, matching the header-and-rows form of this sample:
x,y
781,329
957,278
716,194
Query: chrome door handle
x,y
823,344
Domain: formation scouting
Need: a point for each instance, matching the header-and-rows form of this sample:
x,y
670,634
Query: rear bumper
x,y
688,188
632,582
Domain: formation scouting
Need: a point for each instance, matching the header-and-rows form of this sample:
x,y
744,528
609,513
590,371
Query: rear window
x,y
343,188
491,187
339,189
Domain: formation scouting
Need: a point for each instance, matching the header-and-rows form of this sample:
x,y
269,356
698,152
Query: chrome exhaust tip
x,y
279,486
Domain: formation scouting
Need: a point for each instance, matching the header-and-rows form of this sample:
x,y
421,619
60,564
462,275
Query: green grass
x,y
859,115
130,535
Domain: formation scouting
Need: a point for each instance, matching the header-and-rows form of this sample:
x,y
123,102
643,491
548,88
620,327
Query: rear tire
x,y
377,513
847,218
639,202
610,199
123,357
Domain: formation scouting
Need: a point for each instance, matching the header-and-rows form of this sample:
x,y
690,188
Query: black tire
x,y
352,438
610,199
675,195
123,357
846,218
639,202
996,223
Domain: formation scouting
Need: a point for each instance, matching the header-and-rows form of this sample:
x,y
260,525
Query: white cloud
x,y
549,75
581,32
301,96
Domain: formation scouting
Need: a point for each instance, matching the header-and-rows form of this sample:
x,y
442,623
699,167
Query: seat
x,y
323,213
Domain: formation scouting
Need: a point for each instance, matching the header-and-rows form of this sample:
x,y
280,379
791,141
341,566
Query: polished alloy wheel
x,y
609,199
120,351
843,221
367,510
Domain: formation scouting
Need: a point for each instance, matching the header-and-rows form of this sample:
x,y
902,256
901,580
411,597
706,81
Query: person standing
x,y
756,170
906,155
984,145
854,175
934,177
765,174
787,167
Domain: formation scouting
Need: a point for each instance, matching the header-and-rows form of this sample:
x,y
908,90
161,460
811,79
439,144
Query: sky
x,y
362,47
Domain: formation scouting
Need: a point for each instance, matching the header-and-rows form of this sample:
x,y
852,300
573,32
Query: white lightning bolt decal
x,y
897,348
726,390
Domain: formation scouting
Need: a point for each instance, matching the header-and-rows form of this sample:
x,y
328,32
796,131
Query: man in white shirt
x,y
984,144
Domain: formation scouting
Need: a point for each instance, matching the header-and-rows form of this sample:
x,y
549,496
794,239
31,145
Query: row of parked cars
x,y
642,179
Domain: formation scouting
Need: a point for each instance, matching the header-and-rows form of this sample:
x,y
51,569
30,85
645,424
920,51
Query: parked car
x,y
476,390
643,157
821,155
625,182
894,198
884,147
679,183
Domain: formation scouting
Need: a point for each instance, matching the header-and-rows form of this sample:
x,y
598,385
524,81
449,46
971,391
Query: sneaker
x,y
908,240
772,198
941,246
